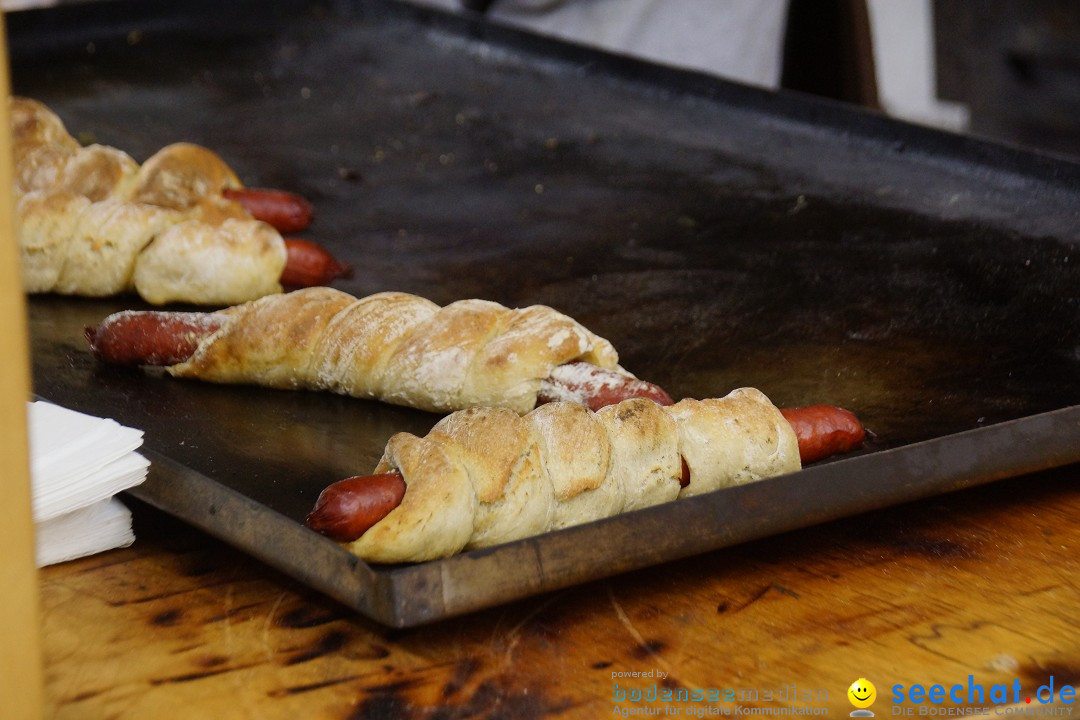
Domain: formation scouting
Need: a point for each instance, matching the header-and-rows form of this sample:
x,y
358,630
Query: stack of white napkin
x,y
77,464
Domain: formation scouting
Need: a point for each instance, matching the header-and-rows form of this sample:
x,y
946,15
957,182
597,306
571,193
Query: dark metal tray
x,y
720,236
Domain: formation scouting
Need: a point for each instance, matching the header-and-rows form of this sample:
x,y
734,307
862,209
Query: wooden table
x,y
984,582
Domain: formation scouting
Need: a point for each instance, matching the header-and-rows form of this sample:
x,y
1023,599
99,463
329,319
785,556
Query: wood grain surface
x,y
984,582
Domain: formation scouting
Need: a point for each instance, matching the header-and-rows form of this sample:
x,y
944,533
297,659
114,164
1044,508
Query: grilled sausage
x,y
346,509
285,211
150,338
308,264
824,430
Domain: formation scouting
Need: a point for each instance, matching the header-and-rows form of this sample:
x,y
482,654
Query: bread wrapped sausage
x,y
394,347
485,476
91,221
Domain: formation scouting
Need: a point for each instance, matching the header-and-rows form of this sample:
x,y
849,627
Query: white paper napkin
x,y
78,462
92,529
77,459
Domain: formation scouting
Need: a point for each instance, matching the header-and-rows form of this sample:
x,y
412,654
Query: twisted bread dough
x,y
485,476
91,221
395,347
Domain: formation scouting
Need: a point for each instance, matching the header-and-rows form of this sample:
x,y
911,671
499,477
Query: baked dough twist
x,y
395,347
485,476
91,221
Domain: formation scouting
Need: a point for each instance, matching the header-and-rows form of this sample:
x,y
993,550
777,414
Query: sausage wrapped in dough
x,y
91,221
485,476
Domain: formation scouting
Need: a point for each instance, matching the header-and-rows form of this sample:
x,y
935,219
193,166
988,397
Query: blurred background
x,y
1002,69
1008,70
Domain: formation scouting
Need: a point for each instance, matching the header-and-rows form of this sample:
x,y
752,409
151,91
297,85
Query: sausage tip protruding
x,y
134,337
347,509
824,430
287,212
308,264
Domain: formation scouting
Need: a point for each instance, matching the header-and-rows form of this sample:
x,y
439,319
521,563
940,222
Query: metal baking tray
x,y
718,235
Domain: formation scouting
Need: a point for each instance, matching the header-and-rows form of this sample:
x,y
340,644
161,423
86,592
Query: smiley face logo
x,y
862,693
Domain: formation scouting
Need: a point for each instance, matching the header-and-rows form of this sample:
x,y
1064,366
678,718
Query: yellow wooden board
x,y
20,664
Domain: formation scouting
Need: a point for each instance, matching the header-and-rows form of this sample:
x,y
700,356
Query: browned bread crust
x,y
92,221
485,476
